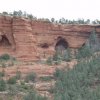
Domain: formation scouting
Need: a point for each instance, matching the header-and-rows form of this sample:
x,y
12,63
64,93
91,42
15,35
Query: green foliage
x,y
57,73
30,16
2,85
61,20
2,74
56,59
6,60
12,90
51,90
79,83
66,56
52,20
49,61
30,77
5,57
84,52
12,80
94,42
46,78
5,13
59,57
90,47
18,75
34,96
25,87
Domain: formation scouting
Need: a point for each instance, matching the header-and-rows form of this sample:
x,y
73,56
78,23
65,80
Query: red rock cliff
x,y
32,40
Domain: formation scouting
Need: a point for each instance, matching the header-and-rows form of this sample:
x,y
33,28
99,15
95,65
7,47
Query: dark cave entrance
x,y
61,45
4,41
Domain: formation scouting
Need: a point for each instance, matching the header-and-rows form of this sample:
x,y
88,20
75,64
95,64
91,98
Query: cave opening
x,y
4,41
61,45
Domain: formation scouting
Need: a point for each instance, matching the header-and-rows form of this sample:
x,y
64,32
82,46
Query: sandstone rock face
x,y
33,40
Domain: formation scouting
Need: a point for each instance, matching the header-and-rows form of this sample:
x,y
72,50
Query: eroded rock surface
x,y
32,40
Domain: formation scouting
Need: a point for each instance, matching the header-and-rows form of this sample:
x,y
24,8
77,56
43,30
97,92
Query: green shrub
x,y
30,77
80,83
2,74
46,78
84,52
90,47
65,56
34,96
12,80
51,90
18,75
49,61
57,57
2,85
94,41
5,57
24,86
12,90
57,73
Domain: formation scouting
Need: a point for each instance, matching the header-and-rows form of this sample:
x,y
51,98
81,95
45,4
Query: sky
x,y
69,9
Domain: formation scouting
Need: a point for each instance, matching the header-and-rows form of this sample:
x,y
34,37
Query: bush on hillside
x,y
12,80
80,83
90,47
2,85
4,57
30,77
7,57
34,96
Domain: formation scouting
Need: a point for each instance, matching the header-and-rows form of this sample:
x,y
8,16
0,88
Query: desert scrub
x,y
2,85
30,77
18,75
79,83
12,89
90,47
49,61
58,72
84,52
46,78
2,73
12,80
34,96
23,87
5,57
7,60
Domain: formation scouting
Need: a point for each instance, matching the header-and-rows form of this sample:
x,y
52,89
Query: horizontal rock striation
x,y
32,40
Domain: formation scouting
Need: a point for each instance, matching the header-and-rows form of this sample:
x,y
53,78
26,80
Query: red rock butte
x,y
33,40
